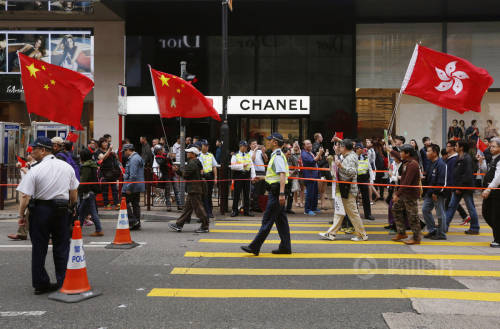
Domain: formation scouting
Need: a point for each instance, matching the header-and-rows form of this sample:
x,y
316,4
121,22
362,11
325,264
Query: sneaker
x,y
349,230
360,238
88,223
327,236
97,234
465,221
174,227
310,213
495,245
317,210
438,237
202,230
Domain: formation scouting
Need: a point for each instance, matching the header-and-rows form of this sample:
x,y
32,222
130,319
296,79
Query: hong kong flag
x,y
178,98
445,80
54,92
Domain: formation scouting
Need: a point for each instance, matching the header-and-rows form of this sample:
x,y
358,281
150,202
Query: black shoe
x,y
388,227
43,290
330,222
248,214
370,217
422,225
234,214
210,215
472,232
202,230
291,212
495,245
429,235
281,252
250,251
438,237
180,208
174,227
256,210
135,227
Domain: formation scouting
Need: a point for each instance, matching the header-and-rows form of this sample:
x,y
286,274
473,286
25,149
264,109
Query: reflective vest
x,y
207,161
363,167
271,175
245,160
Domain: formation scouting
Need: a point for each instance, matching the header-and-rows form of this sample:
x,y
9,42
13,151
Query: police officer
x,y
364,177
276,178
52,188
243,171
207,159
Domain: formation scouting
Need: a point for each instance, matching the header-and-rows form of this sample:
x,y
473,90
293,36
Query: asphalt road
x,y
233,290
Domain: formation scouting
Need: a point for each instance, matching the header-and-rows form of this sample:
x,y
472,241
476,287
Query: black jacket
x,y
463,172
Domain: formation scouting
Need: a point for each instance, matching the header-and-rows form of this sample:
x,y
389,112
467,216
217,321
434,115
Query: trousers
x,y
47,222
207,199
407,211
351,210
274,213
491,214
430,204
311,196
133,208
365,196
241,186
193,203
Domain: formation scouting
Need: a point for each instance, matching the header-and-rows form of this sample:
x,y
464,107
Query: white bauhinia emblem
x,y
451,78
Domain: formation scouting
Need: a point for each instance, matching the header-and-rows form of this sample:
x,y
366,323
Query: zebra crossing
x,y
378,258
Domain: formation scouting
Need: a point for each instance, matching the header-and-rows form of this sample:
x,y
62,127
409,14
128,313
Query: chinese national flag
x,y
445,80
54,92
72,137
481,145
178,98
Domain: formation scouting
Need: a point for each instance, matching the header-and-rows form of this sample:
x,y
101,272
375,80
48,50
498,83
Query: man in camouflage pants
x,y
405,198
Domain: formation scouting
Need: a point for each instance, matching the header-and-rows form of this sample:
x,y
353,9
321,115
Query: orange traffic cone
x,y
76,285
123,240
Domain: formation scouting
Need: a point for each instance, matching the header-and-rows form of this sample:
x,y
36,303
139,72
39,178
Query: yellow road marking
x,y
325,294
316,232
424,243
330,271
322,225
330,255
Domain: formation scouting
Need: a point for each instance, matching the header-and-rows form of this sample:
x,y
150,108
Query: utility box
x,y
11,139
53,129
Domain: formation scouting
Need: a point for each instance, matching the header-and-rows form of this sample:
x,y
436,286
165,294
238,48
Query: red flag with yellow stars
x,y
54,92
178,98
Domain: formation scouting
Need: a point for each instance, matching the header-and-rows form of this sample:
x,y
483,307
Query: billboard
x,y
73,50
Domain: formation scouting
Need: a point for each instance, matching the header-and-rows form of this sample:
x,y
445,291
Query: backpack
x,y
65,156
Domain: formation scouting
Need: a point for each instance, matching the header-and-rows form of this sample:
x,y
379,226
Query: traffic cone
x,y
123,240
76,285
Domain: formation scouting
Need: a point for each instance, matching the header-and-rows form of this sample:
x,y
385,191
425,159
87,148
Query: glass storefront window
x,y
259,129
289,128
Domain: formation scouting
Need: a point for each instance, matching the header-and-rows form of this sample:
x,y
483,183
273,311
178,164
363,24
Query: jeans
x,y
311,196
430,204
88,206
174,186
114,192
133,208
275,213
469,203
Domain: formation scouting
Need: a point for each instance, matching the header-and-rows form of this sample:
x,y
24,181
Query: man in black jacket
x,y
463,177
491,202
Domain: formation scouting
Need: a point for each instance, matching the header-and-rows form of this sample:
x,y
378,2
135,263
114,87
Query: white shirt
x,y
259,160
177,150
50,179
239,167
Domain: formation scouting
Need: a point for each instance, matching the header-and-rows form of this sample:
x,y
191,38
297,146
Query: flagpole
x,y
156,97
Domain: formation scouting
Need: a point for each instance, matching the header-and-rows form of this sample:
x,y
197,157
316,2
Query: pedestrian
x,y
291,162
405,199
60,152
434,196
364,177
87,192
133,185
166,171
491,198
50,190
195,190
310,160
109,172
394,175
472,133
176,149
259,159
423,155
276,178
322,163
371,159
347,172
209,174
298,185
243,171
381,166
218,150
463,177
146,154
490,131
454,131
450,160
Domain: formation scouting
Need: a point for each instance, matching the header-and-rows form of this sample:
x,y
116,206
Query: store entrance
x,y
292,129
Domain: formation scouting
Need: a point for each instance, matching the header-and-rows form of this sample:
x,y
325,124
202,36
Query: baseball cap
x,y
243,143
42,142
57,140
193,150
198,144
276,136
204,142
359,145
128,147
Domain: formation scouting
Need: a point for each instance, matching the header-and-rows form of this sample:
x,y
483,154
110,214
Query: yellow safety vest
x,y
271,175
363,167
245,160
207,161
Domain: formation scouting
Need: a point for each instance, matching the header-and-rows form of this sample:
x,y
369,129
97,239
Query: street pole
x,y
444,112
224,129
182,134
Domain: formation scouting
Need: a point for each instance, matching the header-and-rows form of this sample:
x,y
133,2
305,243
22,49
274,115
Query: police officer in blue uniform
x,y
50,191
276,178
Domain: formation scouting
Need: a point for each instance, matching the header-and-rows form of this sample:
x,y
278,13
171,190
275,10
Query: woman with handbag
x,y
109,172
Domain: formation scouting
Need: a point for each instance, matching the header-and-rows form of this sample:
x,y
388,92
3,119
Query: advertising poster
x,y
72,51
31,45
